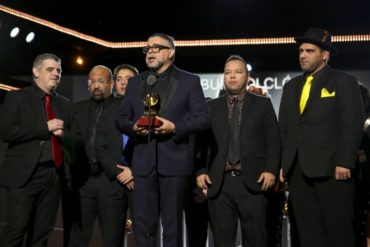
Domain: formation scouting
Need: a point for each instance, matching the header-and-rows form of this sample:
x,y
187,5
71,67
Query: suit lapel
x,y
173,85
247,104
222,113
59,110
317,85
314,94
298,91
39,111
83,116
143,86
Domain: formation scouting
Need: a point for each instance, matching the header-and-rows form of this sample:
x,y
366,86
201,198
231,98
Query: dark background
x,y
115,20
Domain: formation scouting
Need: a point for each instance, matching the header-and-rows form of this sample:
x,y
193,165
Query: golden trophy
x,y
151,108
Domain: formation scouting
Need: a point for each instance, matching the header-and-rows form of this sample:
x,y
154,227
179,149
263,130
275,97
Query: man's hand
x,y
58,132
200,197
257,90
267,179
141,131
55,124
202,182
130,185
125,177
166,128
342,173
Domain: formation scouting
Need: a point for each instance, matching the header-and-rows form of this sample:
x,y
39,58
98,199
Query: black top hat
x,y
319,37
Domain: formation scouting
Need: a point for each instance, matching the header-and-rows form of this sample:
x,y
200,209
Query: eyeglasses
x,y
99,81
154,48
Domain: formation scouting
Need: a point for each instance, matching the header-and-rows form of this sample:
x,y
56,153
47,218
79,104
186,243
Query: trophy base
x,y
146,121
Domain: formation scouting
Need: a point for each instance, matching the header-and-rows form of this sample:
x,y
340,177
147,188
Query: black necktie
x,y
234,138
92,140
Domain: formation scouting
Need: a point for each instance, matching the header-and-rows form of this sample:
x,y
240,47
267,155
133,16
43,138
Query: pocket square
x,y
325,93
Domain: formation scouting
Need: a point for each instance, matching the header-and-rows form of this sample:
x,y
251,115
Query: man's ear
x,y
326,55
35,72
172,53
112,83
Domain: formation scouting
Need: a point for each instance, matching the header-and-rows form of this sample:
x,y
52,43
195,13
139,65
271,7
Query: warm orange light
x,y
79,60
7,87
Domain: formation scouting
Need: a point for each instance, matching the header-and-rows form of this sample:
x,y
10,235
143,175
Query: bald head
x,y
100,82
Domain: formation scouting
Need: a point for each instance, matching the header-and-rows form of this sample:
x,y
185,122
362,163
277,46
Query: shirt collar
x,y
240,97
39,92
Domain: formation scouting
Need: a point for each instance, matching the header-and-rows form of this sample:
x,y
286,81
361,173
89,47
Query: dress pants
x,y
157,196
235,202
33,208
323,210
196,218
110,210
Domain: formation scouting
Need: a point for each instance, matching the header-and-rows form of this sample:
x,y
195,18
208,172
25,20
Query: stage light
x,y
30,37
249,67
79,60
14,32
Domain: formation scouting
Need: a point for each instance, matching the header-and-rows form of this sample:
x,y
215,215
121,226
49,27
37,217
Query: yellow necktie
x,y
305,93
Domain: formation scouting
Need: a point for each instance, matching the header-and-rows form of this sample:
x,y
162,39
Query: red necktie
x,y
55,142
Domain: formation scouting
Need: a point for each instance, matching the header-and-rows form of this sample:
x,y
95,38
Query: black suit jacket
x,y
184,105
108,145
329,131
259,142
109,148
24,128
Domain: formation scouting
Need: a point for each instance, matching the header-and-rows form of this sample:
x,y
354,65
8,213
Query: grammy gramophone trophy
x,y
151,108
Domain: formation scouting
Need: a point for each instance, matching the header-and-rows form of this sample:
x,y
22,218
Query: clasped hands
x,y
56,127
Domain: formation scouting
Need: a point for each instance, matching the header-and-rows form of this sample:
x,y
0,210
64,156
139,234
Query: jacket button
x,y
42,142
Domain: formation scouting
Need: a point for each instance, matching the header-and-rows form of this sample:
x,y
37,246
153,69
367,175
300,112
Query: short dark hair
x,y
167,37
40,58
124,66
238,58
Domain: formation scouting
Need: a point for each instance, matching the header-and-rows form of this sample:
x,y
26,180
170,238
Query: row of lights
x,y
179,43
15,31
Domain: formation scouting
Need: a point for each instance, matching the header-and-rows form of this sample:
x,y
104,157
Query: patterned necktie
x,y
234,138
305,93
55,142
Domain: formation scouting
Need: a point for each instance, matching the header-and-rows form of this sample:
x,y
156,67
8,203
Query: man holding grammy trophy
x,y
160,127
151,107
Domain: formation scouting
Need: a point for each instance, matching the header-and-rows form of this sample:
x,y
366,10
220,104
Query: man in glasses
x,y
100,175
162,157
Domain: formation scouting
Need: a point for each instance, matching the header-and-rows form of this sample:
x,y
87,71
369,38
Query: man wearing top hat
x,y
320,117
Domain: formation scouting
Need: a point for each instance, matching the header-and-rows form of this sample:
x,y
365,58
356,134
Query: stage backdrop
x,y
273,82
